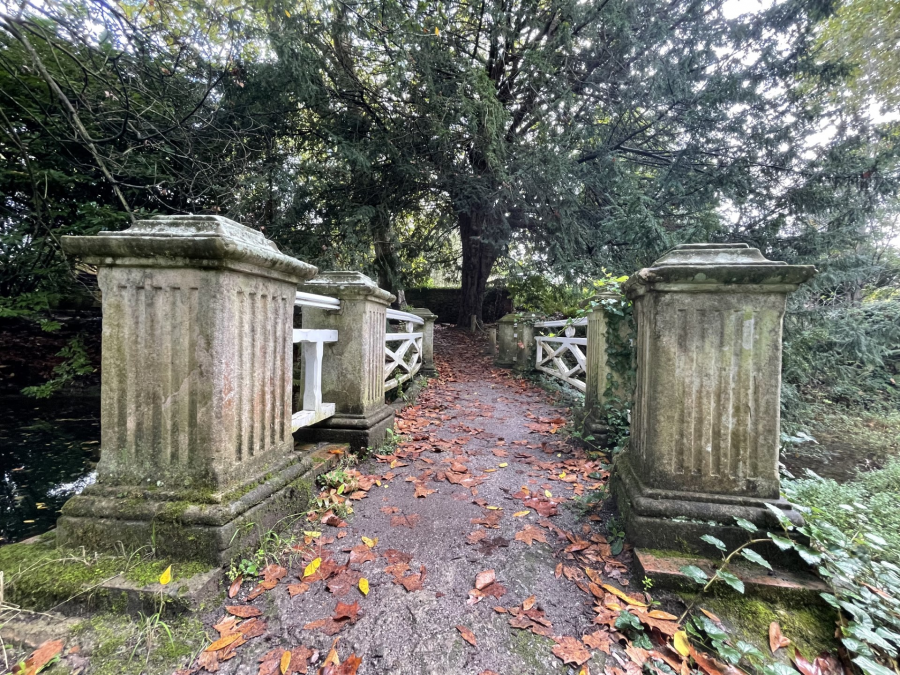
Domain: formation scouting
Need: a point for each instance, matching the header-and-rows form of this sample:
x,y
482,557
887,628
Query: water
x,y
48,450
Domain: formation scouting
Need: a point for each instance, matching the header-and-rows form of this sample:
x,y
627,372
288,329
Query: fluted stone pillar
x,y
427,339
705,423
196,388
353,372
597,371
507,341
525,345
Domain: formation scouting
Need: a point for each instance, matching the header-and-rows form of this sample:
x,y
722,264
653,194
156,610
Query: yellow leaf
x,y
393,464
503,465
370,542
312,568
680,641
490,470
562,475
492,508
548,494
288,14
519,514
437,31
166,576
285,661
364,586
378,483
312,534
624,596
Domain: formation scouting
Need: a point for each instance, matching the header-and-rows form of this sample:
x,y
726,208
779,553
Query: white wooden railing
x,y
563,356
403,361
311,344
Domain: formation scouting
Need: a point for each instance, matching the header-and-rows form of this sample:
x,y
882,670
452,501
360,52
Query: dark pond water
x,y
48,450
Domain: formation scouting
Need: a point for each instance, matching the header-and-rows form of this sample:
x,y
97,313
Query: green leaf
x,y
783,520
745,524
869,667
718,543
753,556
731,580
695,574
781,542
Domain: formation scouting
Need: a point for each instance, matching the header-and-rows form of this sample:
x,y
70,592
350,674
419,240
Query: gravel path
x,y
481,482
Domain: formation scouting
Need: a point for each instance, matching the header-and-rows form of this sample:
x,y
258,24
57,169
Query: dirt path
x,y
481,483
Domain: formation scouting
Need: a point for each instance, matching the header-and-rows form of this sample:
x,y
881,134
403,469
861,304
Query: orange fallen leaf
x,y
776,639
570,650
484,579
468,635
223,642
243,611
236,586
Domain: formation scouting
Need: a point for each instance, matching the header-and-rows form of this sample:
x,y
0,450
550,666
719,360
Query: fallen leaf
x,y
708,664
223,642
680,641
529,602
624,596
370,542
364,586
346,611
484,579
776,639
166,577
405,521
519,514
297,589
467,635
40,657
285,662
711,615
570,650
312,568
235,586
361,554
598,640
243,611
530,534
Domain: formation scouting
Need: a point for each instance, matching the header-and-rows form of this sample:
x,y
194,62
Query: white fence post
x,y
427,339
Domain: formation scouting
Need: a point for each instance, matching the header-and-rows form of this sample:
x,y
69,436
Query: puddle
x,y
48,450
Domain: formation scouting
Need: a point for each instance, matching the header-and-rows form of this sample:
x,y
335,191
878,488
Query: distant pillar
x,y
597,371
353,374
705,424
525,344
196,388
507,341
427,340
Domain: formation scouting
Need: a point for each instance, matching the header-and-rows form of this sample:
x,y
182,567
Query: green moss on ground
x,y
531,648
40,576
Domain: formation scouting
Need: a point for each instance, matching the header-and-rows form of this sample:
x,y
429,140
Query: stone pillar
x,y
525,343
427,340
705,423
196,388
353,372
507,341
597,371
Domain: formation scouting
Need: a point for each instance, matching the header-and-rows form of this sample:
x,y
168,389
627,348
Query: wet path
x,y
477,556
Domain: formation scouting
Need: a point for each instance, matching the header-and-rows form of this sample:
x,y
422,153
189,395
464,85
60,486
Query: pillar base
x,y
205,527
675,520
358,431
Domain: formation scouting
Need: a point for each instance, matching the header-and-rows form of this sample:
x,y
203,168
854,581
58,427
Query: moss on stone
x,y
120,646
40,576
809,627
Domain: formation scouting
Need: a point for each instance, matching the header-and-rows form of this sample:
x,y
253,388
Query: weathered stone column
x,y
525,345
196,388
597,371
353,375
507,341
427,340
705,423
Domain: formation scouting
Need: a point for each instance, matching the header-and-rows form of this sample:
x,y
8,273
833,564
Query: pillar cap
x,y
423,312
347,286
186,241
717,267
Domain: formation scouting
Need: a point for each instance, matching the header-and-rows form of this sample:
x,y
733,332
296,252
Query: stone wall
x,y
445,302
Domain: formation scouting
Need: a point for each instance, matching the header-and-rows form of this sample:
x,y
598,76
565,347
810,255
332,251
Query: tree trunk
x,y
479,257
387,261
